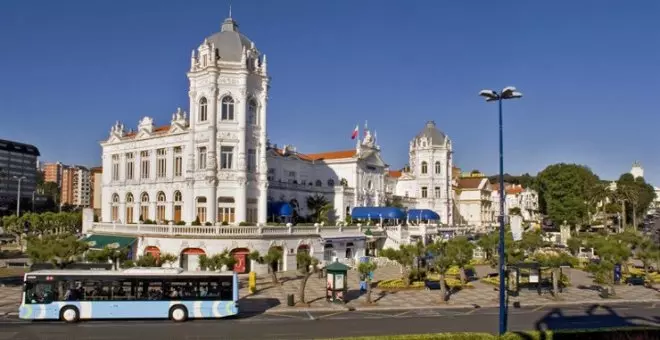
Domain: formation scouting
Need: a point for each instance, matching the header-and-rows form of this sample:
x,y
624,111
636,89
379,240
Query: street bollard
x,y
252,283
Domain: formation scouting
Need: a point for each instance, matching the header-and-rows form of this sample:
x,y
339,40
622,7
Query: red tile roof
x,y
159,129
469,182
330,155
395,173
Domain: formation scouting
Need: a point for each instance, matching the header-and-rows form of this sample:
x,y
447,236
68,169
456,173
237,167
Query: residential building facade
x,y
53,172
475,206
76,186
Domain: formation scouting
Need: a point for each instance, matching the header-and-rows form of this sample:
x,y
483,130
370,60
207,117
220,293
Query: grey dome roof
x,y
229,42
435,136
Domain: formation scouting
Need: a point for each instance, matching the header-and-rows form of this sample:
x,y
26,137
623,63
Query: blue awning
x,y
423,214
280,209
377,213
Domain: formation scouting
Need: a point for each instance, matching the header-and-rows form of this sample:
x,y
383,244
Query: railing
x,y
242,231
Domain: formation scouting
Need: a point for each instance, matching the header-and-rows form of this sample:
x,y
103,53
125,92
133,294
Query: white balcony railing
x,y
242,231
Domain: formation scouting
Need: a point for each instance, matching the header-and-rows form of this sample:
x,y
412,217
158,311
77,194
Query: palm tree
x,y
317,203
307,266
365,269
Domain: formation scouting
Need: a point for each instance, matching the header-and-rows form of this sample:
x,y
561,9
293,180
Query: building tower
x,y
431,163
637,170
227,148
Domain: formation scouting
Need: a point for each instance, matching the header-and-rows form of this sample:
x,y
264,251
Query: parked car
x,y
635,280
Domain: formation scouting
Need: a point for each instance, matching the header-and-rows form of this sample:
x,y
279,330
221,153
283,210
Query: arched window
x,y
160,207
425,167
319,183
115,207
227,108
178,198
438,168
144,206
331,182
203,110
253,115
129,208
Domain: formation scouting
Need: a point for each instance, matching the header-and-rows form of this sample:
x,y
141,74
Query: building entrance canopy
x,y
377,213
423,214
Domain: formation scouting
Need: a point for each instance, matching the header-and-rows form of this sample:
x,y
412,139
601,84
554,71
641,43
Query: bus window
x,y
226,291
40,292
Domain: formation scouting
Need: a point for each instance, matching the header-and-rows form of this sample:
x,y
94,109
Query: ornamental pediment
x,y
113,139
176,128
142,134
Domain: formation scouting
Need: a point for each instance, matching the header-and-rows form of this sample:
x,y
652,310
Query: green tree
x,y
488,244
442,261
365,269
636,195
394,201
148,260
611,251
647,252
461,250
58,249
319,206
217,261
108,254
554,260
271,259
574,244
531,241
307,266
405,257
168,259
564,192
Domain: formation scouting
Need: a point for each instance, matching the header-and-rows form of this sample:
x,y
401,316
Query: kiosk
x,y
336,282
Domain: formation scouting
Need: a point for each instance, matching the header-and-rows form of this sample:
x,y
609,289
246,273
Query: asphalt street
x,y
319,325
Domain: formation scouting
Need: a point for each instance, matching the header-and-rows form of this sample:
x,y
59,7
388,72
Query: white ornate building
x,y
525,199
427,180
211,165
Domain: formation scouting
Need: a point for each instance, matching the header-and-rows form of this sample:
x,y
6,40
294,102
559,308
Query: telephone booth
x,y
336,282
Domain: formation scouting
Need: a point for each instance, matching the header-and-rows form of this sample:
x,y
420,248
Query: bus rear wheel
x,y
178,314
70,314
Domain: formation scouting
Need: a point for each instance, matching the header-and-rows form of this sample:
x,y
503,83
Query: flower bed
x,y
653,277
399,284
495,280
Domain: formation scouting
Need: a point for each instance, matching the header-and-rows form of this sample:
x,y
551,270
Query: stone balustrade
x,y
221,231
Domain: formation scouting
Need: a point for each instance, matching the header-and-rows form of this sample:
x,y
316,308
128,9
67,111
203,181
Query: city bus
x,y
140,293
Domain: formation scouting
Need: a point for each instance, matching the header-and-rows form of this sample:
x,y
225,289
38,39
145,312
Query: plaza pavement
x,y
272,297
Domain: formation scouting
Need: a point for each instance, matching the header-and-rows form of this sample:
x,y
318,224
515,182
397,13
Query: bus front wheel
x,y
178,313
69,314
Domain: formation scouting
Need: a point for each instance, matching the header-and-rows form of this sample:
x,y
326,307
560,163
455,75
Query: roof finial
x,y
230,9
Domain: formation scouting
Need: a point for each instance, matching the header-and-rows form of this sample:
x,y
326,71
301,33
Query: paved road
x,y
315,325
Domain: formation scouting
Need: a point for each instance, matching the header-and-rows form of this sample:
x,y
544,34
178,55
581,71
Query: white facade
x,y
428,178
637,170
525,199
211,165
475,205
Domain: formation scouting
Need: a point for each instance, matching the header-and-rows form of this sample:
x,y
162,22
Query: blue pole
x,y
503,305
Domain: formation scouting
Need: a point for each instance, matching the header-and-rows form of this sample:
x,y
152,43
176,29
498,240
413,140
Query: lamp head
x,y
490,95
510,92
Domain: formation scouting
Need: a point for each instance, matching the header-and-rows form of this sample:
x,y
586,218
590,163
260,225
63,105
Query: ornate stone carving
x,y
224,135
226,175
241,181
192,94
228,81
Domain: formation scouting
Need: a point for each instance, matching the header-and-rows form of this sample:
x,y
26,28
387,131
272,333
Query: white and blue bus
x,y
142,293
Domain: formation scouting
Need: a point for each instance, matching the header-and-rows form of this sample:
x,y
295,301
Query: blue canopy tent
x,y
423,214
279,210
378,213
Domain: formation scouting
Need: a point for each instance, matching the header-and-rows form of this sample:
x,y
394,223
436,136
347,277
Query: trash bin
x,y
289,300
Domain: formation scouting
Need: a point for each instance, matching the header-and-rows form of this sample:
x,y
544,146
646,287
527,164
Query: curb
x,y
448,307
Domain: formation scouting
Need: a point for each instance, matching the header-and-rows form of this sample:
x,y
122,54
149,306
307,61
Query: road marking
x,y
331,314
284,315
538,308
402,314
376,314
469,312
310,315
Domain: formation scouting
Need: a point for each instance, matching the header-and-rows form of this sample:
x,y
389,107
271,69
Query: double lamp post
x,y
508,92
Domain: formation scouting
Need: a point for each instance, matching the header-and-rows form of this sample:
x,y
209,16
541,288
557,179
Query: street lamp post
x,y
490,95
18,195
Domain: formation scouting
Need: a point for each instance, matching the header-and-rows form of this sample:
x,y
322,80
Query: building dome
x,y
229,42
432,134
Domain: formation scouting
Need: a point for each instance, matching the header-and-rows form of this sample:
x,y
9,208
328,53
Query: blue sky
x,y
589,70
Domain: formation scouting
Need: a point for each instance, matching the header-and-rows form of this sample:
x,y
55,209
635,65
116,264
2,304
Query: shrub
x,y
399,284
225,223
180,223
208,224
242,224
417,275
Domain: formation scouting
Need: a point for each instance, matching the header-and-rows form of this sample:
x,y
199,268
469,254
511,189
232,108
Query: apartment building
x,y
76,186
18,169
53,172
